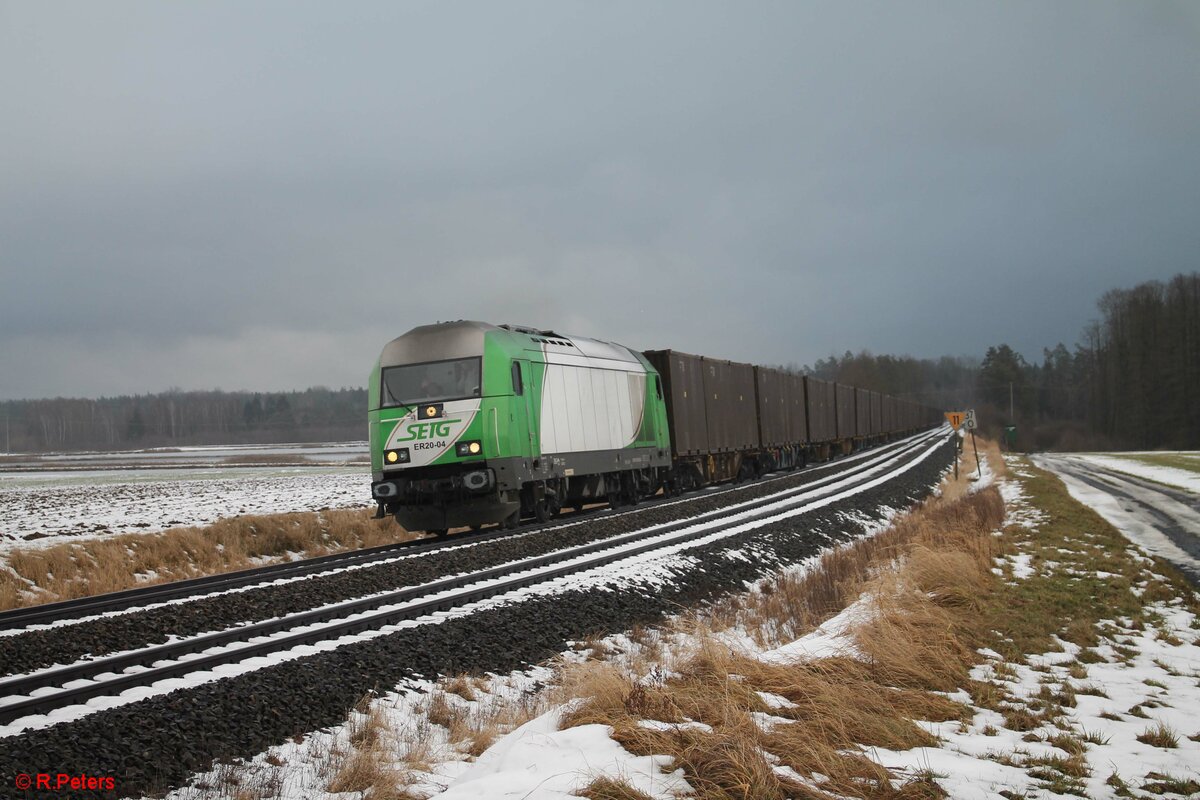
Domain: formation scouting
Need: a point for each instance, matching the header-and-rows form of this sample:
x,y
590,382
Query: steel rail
x,y
526,572
21,618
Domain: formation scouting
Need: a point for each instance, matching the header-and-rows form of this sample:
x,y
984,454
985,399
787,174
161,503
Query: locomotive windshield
x,y
431,382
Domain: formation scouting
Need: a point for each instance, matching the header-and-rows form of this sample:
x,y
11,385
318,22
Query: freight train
x,y
472,423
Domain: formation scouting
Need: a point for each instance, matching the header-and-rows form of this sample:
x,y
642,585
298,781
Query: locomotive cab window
x,y
518,387
434,381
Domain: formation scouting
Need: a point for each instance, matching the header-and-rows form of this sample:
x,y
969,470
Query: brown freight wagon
x,y
730,406
682,376
711,415
846,423
822,410
889,414
862,412
876,413
781,417
798,406
782,421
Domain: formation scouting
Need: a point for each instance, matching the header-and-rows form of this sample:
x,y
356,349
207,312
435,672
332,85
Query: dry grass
x,y
940,542
80,569
933,600
267,458
472,724
366,771
1160,735
463,686
606,788
968,466
609,789
367,763
912,642
927,578
1185,461
839,705
360,761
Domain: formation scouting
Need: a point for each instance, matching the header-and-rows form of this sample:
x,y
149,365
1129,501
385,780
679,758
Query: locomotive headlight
x,y
396,456
468,449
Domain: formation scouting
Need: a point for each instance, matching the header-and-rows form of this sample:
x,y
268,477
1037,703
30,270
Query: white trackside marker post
x,y
971,425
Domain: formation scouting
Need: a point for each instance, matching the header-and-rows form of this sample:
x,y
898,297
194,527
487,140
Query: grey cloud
x,y
774,182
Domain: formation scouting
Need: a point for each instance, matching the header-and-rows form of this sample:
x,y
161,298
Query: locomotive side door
x,y
518,426
530,424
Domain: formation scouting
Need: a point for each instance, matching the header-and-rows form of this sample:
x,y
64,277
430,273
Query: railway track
x,y
47,696
140,628
84,608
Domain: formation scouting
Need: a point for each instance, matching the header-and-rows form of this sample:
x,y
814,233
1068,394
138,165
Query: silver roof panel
x,y
445,340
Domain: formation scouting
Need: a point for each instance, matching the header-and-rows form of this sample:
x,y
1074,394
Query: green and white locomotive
x,y
472,423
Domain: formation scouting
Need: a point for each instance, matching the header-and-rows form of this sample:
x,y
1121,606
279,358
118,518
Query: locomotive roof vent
x,y
520,329
540,336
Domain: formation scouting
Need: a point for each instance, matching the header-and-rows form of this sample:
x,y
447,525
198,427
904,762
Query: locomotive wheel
x,y
541,510
437,532
511,521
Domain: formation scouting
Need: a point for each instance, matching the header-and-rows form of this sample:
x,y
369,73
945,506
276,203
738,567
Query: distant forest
x,y
177,418
1132,382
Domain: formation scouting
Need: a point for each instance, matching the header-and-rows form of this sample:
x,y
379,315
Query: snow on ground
x,y
540,762
196,456
535,760
982,758
986,479
1119,700
1171,476
1156,519
657,566
834,637
41,508
1017,509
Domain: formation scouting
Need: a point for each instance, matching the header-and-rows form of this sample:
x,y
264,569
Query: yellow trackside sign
x,y
956,418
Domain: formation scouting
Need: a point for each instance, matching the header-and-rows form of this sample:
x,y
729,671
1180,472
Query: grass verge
x,y
1185,461
940,589
95,566
923,581
953,614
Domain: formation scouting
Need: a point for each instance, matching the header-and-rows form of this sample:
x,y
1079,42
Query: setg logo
x,y
419,431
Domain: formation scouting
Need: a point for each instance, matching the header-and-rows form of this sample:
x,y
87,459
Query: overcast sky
x,y
260,194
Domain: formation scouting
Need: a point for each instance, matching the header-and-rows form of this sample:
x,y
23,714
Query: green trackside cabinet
x,y
472,423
